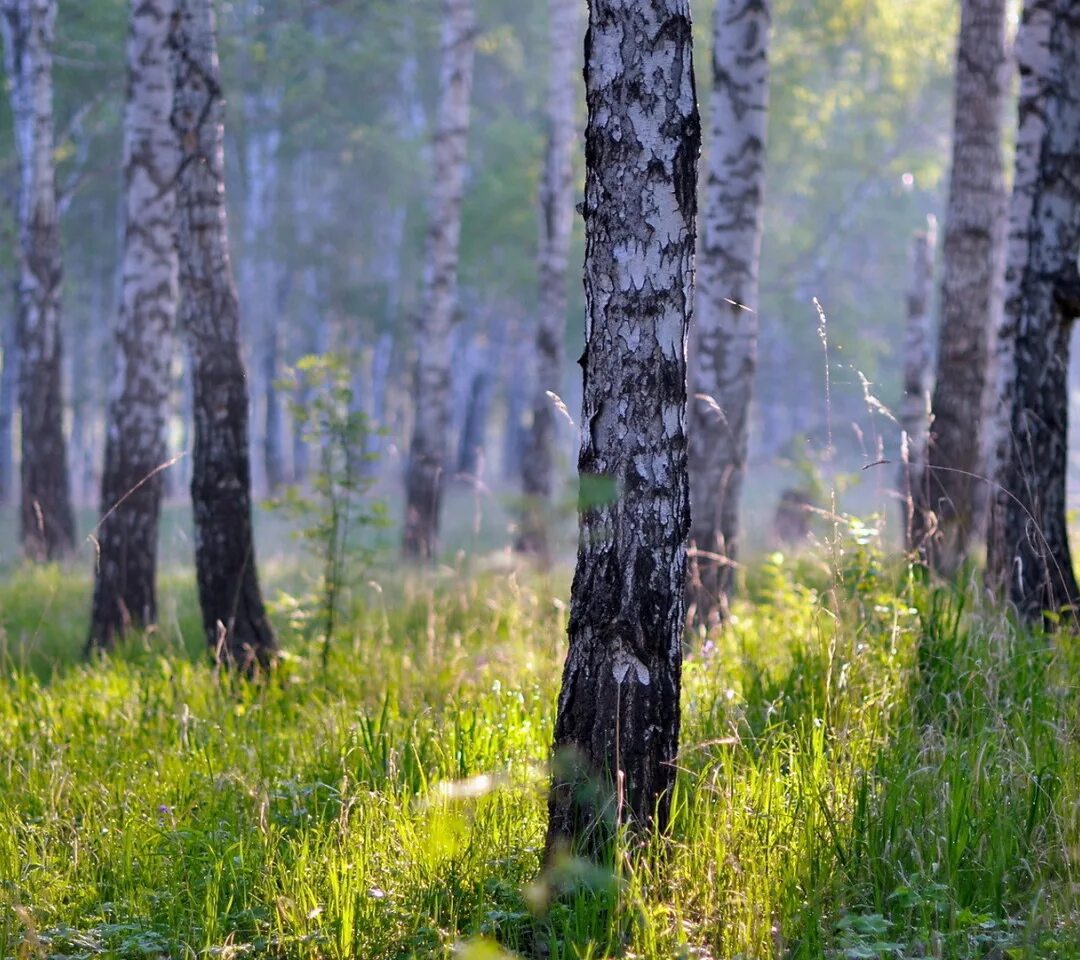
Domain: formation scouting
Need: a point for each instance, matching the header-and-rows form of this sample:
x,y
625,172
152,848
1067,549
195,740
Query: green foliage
x,y
870,768
337,505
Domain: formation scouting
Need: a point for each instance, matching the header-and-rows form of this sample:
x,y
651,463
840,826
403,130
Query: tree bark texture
x,y
47,524
233,615
972,261
617,729
135,444
918,369
556,232
424,480
724,350
1028,546
9,385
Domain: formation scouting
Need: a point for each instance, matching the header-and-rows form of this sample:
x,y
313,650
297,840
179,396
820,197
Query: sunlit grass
x,y
869,769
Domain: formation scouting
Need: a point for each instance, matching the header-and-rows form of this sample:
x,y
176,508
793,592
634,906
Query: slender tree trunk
x,y
972,260
556,231
47,521
427,451
724,355
233,615
135,450
270,358
915,406
135,445
617,729
1028,543
8,401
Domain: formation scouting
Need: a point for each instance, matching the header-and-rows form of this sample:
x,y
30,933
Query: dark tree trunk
x,y
235,621
1028,544
47,523
948,516
135,446
471,449
915,406
617,729
723,358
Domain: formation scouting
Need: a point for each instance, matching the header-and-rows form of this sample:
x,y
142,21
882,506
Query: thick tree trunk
x,y
724,354
972,260
47,522
915,405
233,615
424,479
617,730
556,231
1028,544
135,445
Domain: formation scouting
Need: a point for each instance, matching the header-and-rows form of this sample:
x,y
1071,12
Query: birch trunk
x,y
8,400
972,259
427,451
915,405
617,729
232,608
47,524
724,355
135,445
556,231
1028,544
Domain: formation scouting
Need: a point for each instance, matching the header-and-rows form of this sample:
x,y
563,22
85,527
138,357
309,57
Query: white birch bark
x,y
424,480
135,448
556,231
617,730
724,350
1028,552
948,515
47,522
918,370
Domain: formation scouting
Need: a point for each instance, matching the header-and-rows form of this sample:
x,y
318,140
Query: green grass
x,y
870,768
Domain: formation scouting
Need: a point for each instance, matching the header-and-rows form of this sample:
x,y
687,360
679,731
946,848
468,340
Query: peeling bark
x,y
47,524
424,474
915,405
949,515
556,231
234,619
135,446
724,348
1028,546
617,729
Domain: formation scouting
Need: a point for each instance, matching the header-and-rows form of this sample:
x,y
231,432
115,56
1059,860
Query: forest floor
x,y
870,768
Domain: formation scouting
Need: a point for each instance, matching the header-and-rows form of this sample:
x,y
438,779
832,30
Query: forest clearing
x,y
374,584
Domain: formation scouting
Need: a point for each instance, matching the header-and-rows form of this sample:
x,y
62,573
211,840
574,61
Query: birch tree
x,y
1028,544
972,260
47,525
617,729
427,450
918,368
232,608
135,446
556,231
724,354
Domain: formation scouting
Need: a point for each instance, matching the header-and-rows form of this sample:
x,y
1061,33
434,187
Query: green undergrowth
x,y
870,768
